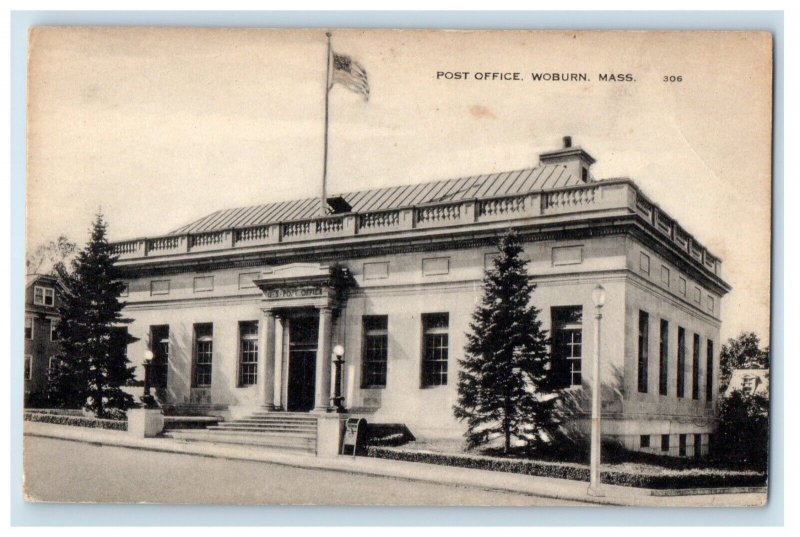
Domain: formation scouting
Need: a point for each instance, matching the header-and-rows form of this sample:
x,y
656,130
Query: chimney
x,y
576,161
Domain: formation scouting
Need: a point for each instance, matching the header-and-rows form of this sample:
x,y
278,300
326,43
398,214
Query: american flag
x,y
350,74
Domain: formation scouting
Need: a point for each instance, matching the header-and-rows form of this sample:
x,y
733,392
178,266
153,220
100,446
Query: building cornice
x,y
597,225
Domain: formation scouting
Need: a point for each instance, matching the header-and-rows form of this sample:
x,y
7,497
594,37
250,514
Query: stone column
x,y
323,373
266,365
278,369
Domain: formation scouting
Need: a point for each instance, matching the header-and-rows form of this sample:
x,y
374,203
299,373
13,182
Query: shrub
x,y
633,477
57,411
743,434
77,421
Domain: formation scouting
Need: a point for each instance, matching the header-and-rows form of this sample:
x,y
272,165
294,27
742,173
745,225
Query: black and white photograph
x,y
339,266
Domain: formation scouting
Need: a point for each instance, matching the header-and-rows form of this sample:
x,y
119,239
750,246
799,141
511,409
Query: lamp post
x,y
337,400
147,399
599,299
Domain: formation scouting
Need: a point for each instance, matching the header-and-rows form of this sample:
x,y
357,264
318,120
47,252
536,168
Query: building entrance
x,y
303,335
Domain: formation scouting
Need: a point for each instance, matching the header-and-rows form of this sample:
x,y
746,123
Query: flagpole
x,y
324,200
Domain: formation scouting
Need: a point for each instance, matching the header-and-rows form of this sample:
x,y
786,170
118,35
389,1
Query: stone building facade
x,y
242,308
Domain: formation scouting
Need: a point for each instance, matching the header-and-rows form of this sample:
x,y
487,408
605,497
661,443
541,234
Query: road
x,y
67,471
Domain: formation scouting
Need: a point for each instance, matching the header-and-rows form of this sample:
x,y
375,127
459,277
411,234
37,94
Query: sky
x,y
159,127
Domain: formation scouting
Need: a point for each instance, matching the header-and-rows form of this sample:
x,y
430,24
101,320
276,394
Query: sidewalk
x,y
561,489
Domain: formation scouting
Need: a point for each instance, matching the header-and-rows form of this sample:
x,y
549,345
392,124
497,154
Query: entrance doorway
x,y
303,334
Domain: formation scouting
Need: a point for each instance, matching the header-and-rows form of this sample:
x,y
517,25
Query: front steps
x,y
292,431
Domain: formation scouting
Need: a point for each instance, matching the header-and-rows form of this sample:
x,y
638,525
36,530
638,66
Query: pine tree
x,y
504,387
92,366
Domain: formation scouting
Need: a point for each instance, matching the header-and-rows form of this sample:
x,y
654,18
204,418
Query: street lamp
x,y
147,398
599,299
337,399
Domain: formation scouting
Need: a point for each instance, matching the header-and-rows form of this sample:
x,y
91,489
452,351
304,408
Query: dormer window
x,y
43,296
584,175
748,385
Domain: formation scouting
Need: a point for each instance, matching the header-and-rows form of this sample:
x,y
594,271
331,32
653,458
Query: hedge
x,y
77,421
668,479
56,411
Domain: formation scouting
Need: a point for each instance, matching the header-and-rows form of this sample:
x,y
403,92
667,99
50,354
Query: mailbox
x,y
355,435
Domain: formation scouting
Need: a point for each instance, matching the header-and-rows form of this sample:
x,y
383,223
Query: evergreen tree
x,y
504,386
92,366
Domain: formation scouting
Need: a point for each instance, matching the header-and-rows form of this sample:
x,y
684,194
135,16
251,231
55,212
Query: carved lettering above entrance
x,y
297,285
295,292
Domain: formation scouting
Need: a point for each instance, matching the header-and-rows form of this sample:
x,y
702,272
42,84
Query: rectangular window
x,y
663,359
697,294
681,384
664,442
644,337
748,384
51,367
710,303
682,286
644,441
665,275
376,351
28,327
696,367
43,296
248,353
53,335
159,287
28,367
159,346
119,341
682,445
698,446
567,345
203,354
435,348
203,283
709,370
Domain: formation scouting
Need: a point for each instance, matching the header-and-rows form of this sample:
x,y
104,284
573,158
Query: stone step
x,y
262,432
282,442
268,426
190,422
263,411
212,433
276,422
306,423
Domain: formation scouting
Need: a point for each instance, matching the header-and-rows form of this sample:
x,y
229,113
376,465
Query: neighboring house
x,y
749,381
240,308
42,297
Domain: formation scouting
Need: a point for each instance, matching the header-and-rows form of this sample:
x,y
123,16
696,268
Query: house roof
x,y
758,375
543,177
30,279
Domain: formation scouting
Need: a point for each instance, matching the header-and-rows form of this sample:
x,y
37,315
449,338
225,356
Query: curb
x,y
442,475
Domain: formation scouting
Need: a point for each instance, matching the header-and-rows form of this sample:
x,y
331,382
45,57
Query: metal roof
x,y
543,177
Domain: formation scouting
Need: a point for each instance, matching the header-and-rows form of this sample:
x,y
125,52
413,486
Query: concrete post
x,y
322,393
